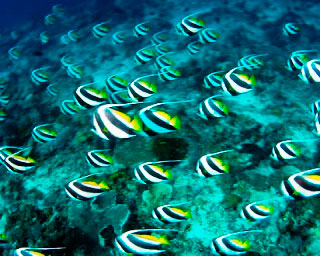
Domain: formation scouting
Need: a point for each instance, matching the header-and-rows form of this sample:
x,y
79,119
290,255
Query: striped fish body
x,y
68,107
120,97
284,151
194,48
300,186
19,164
52,90
225,246
100,30
14,53
75,71
64,39
141,30
66,61
151,174
50,19
235,84
191,26
7,151
44,38
4,98
316,123
73,36
118,38
256,212
98,159
139,242
43,134
116,83
167,214
162,49
159,121
211,108
163,62
109,123
315,107
296,62
141,89
144,56
81,191
40,77
250,62
290,29
159,38
169,74
87,97
212,80
35,251
310,72
207,36
3,115
208,166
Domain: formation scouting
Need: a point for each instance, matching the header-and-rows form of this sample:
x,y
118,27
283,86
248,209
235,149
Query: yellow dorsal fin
x,y
163,114
313,177
122,115
175,122
179,211
33,253
137,124
266,208
244,244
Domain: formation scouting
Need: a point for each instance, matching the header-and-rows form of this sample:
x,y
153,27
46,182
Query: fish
x,y
116,83
87,96
3,84
40,77
162,49
26,251
98,158
158,121
142,29
235,84
120,97
3,115
211,108
4,98
14,53
145,55
171,214
16,163
194,48
257,211
75,71
74,36
143,242
209,165
4,242
163,61
316,122
64,39
310,71
110,123
58,9
290,29
208,35
315,107
153,172
160,37
169,74
302,185
232,244
190,25
213,79
44,37
6,151
285,150
297,60
119,37
44,133
69,107
251,62
52,90
86,188
66,61
100,30
141,89
50,19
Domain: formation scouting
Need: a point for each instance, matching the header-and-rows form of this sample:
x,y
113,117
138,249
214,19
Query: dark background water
x,y
16,12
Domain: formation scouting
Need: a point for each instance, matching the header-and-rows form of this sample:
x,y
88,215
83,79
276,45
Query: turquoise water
x,y
172,128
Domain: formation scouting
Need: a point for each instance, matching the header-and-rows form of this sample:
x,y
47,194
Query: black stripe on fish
x,y
203,170
172,214
140,243
157,121
231,246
